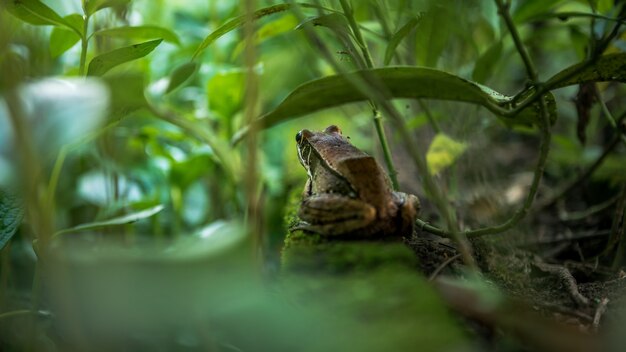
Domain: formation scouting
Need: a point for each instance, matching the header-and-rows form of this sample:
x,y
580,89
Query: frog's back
x,y
367,177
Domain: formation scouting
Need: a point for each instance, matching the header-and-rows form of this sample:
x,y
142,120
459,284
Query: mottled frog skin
x,y
348,193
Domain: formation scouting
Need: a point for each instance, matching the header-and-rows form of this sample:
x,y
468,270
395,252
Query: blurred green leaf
x,y
181,74
35,12
399,35
337,22
443,152
91,6
122,220
239,21
269,30
76,23
127,93
432,34
11,214
530,8
61,40
225,92
399,82
140,32
100,64
184,173
610,67
484,66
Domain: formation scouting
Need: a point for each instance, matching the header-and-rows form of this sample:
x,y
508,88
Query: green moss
x,y
305,251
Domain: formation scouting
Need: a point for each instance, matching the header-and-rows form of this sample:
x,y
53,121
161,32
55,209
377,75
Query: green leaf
x,y
395,82
443,152
35,12
127,93
122,220
140,32
11,214
239,21
399,35
225,93
104,62
91,6
432,34
530,8
484,66
181,74
610,67
61,40
269,30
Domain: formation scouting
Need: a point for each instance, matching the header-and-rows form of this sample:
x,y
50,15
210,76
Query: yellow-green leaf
x,y
443,152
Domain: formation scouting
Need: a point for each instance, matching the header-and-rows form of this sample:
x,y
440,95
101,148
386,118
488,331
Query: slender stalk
x,y
380,130
250,113
84,43
17,313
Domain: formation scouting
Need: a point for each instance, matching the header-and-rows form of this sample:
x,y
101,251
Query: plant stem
x,y
84,42
544,128
380,130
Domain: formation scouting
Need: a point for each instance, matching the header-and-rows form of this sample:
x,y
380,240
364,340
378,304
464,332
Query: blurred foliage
x,y
92,159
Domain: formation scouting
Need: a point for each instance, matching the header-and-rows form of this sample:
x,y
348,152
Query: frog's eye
x,y
299,137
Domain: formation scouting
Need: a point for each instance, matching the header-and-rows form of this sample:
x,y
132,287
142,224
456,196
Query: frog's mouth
x,y
304,155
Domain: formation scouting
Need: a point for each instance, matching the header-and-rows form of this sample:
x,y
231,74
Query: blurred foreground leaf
x,y
11,214
443,152
57,112
100,64
394,82
122,220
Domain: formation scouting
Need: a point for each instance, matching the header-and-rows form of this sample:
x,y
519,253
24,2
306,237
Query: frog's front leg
x,y
334,214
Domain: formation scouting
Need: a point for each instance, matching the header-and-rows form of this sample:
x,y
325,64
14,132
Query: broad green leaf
x,y
140,32
104,62
443,152
92,6
61,40
11,214
37,13
399,35
395,82
122,220
239,21
181,74
486,62
610,67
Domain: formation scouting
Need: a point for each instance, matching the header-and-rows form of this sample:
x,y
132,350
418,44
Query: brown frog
x,y
347,192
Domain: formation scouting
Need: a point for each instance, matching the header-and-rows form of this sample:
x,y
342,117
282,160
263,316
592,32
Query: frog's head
x,y
316,145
